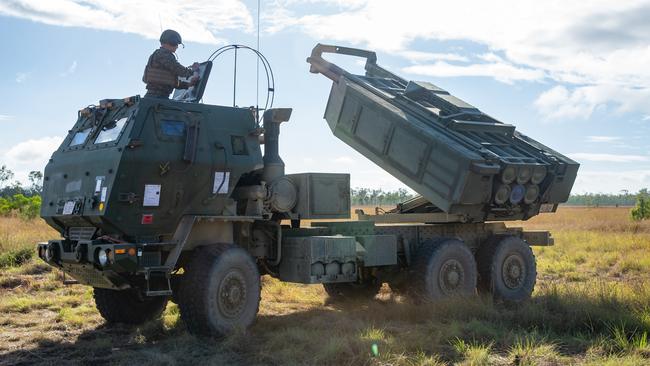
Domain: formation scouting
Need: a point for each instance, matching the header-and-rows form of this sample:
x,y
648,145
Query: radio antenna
x,y
257,69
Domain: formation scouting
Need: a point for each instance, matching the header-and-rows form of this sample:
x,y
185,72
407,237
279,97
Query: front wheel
x,y
220,291
128,306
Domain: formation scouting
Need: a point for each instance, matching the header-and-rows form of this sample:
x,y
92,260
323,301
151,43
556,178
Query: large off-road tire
x,y
352,291
507,269
442,269
219,292
128,306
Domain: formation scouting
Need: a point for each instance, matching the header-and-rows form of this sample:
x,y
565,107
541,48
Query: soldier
x,y
163,70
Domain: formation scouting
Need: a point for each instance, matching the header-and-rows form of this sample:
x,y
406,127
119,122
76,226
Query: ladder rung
x,y
158,293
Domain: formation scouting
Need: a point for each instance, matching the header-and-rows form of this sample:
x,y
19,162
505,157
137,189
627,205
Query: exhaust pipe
x,y
273,164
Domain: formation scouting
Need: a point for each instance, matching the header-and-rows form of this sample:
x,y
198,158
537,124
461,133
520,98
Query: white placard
x,y
151,195
221,180
103,197
68,208
98,183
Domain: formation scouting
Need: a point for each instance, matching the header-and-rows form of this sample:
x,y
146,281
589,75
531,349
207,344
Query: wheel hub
x,y
451,277
513,271
232,294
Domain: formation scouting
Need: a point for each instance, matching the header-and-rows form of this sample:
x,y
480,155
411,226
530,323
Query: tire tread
x,y
193,312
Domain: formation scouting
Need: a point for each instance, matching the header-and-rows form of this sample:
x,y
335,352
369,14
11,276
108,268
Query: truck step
x,y
158,293
158,283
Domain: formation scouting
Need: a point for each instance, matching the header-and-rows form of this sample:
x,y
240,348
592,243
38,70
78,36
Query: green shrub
x,y
31,208
641,210
16,257
20,205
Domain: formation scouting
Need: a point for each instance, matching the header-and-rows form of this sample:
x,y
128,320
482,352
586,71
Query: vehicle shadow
x,y
342,332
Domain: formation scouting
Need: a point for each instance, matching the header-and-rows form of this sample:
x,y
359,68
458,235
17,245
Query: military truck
x,y
174,199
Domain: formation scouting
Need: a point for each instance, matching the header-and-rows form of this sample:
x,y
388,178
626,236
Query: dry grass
x,y
604,219
591,307
18,238
16,233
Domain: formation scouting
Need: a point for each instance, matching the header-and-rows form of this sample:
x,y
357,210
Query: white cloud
x,y
611,181
580,103
71,69
22,76
503,72
419,56
196,20
30,155
597,49
491,57
558,102
609,158
603,138
5,117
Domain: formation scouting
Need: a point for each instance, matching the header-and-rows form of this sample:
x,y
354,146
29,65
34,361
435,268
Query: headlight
x,y
517,194
524,173
532,191
502,194
539,173
103,257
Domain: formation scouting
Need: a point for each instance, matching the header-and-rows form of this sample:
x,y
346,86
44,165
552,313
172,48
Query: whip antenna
x,y
257,65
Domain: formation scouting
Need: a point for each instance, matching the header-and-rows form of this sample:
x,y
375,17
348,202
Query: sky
x,y
572,75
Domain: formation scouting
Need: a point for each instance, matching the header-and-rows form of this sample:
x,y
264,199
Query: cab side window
x,y
172,128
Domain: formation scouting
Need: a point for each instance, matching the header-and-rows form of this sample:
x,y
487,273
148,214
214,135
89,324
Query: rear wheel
x,y
220,291
442,269
507,269
128,306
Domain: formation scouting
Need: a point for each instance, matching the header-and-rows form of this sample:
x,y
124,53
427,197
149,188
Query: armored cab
x,y
460,160
132,168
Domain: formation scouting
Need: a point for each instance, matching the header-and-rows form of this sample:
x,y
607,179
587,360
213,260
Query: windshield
x,y
80,137
111,131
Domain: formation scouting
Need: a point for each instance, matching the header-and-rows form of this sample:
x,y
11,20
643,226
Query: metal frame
x,y
401,218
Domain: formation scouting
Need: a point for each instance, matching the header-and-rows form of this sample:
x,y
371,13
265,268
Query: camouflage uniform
x,y
163,61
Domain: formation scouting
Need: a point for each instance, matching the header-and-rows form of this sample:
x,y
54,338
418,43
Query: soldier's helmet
x,y
170,36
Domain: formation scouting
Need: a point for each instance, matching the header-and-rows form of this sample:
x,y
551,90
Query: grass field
x,y
591,306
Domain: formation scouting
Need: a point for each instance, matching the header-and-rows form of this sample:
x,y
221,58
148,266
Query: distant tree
x,y
378,197
641,210
14,188
36,182
5,175
625,198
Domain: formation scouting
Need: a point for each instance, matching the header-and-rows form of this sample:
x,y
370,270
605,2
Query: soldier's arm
x,y
168,62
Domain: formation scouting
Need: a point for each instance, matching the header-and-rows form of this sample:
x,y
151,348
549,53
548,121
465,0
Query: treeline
x,y
378,197
18,200
601,199
367,196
